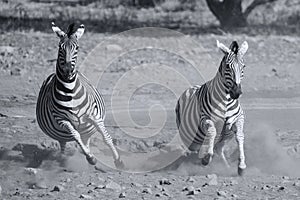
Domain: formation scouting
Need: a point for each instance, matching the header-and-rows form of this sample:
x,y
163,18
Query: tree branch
x,y
254,4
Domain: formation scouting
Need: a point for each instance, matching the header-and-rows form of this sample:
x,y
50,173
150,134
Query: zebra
x,y
69,108
211,114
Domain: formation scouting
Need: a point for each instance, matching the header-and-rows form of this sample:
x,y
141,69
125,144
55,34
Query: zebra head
x,y
232,66
68,48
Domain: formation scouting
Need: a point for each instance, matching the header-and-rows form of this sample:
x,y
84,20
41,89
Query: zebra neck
x,y
67,86
217,90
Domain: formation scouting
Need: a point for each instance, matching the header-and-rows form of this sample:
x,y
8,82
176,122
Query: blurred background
x,y
189,16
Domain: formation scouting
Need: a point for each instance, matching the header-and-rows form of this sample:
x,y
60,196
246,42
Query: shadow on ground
x,y
32,155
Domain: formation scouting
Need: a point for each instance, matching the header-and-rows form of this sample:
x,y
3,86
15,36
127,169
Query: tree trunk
x,y
228,12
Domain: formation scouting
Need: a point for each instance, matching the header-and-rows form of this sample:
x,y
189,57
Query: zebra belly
x,y
49,125
190,118
48,116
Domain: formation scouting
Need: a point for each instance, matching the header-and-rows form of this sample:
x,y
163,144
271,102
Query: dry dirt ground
x,y
31,166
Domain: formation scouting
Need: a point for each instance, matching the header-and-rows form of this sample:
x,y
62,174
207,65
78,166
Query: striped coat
x,y
210,114
69,108
78,101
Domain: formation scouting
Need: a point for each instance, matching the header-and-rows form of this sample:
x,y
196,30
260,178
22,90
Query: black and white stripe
x,y
208,115
69,108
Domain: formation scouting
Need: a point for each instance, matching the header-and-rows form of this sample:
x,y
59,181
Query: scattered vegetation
x,y
114,16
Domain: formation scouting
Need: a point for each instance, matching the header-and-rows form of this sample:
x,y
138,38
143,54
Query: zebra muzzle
x,y
235,91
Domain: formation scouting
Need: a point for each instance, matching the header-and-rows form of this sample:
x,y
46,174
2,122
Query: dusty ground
x,y
31,167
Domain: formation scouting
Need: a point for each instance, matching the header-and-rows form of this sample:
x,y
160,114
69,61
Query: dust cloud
x,y
264,152
77,163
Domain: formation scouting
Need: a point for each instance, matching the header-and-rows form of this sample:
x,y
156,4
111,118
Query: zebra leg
x,y
227,135
90,157
240,140
87,143
219,148
109,142
211,132
62,146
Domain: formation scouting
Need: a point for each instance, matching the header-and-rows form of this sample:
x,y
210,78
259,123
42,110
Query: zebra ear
x,y
222,47
243,49
58,31
79,31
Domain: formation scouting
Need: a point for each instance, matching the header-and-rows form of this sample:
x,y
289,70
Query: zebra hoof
x,y
119,164
207,159
91,159
241,171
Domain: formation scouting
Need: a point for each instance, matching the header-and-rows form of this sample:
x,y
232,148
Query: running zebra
x,y
210,114
69,108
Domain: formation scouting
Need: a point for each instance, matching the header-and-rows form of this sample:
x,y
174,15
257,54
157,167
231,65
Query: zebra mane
x,y
71,29
234,47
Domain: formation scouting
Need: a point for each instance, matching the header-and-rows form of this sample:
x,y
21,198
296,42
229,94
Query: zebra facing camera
x,y
71,107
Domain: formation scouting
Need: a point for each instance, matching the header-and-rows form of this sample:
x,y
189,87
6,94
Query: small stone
x,y
285,177
57,188
85,196
99,187
222,193
91,184
17,193
68,180
190,188
164,181
122,195
297,184
157,195
147,191
40,184
90,191
166,194
213,179
265,187
281,188
31,171
136,184
113,186
190,179
234,196
233,182
194,192
184,189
